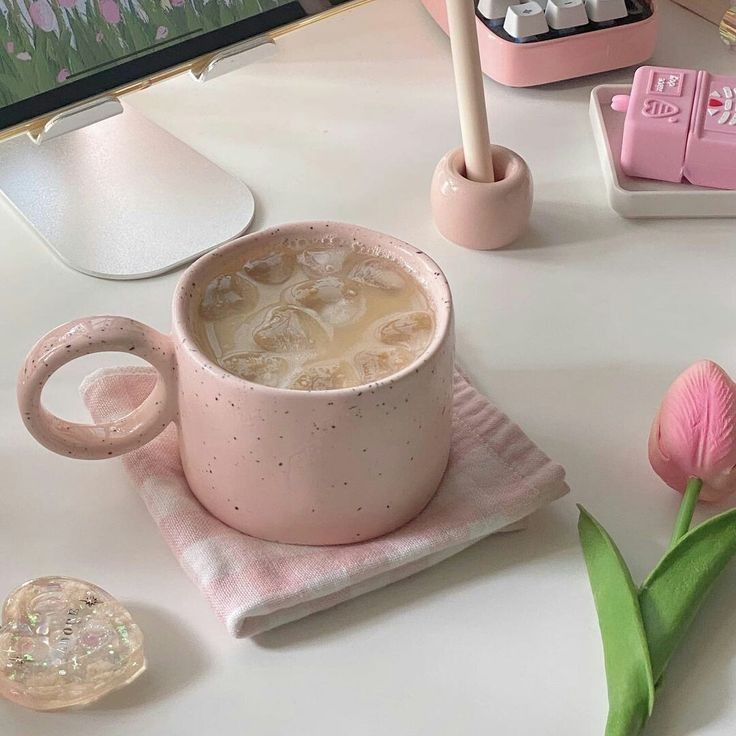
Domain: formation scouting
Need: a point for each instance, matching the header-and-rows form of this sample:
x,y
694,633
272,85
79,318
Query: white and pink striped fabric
x,y
496,477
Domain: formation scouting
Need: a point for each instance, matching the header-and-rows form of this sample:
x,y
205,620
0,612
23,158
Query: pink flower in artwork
x,y
694,433
110,11
23,56
63,75
99,37
161,33
42,15
67,3
10,47
177,3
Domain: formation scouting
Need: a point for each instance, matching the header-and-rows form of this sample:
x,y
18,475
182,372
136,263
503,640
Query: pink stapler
x,y
680,124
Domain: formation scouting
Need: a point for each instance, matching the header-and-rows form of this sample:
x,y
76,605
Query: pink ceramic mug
x,y
305,467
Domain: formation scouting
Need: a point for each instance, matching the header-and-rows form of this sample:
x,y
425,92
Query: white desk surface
x,y
576,332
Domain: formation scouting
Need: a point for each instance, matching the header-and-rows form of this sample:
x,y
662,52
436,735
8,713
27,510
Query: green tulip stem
x,y
687,508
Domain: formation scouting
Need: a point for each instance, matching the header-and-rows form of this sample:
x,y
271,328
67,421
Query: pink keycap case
x,y
680,124
554,56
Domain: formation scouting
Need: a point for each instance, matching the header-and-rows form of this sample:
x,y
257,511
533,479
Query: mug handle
x,y
97,335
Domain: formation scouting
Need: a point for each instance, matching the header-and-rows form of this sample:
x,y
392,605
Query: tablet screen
x,y
56,52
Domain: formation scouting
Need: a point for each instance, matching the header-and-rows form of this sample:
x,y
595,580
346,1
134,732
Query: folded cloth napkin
x,y
496,476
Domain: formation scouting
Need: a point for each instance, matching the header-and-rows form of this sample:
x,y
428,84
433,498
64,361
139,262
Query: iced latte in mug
x,y
319,314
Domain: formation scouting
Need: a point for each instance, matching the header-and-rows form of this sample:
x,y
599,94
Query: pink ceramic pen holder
x,y
482,215
306,467
481,194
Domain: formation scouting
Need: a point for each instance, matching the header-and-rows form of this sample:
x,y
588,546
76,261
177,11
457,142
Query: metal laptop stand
x,y
116,196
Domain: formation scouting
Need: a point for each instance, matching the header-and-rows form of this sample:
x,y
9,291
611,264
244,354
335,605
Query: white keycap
x,y
724,118
600,11
494,9
525,20
728,104
727,91
565,14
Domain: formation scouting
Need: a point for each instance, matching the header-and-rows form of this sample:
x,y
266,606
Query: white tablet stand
x,y
116,196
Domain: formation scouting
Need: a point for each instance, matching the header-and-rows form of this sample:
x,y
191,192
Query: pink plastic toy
x,y
680,124
524,43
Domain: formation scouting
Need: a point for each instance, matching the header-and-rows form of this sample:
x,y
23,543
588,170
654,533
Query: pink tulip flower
x,y
63,75
694,433
177,3
42,15
161,33
10,47
110,11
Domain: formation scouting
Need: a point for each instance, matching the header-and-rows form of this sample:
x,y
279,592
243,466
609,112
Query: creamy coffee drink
x,y
315,315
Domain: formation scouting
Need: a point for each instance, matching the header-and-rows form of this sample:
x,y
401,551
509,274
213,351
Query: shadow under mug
x,y
303,467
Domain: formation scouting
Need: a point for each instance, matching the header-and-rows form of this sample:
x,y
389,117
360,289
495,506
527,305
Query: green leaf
x,y
625,650
672,594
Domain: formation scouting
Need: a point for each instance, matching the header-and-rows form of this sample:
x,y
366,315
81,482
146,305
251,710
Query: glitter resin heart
x,y
66,642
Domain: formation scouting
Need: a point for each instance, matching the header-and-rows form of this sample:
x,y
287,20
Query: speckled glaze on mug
x,y
304,467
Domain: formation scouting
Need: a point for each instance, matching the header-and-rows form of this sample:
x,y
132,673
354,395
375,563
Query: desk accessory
x,y
122,198
116,196
632,197
495,477
65,643
304,467
108,199
114,48
481,194
537,42
692,447
680,124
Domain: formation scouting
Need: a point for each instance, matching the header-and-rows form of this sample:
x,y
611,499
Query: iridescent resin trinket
x,y
66,642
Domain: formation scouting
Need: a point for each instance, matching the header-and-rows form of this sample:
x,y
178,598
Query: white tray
x,y
645,197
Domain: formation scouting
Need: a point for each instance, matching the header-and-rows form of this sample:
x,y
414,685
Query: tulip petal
x,y
694,434
663,466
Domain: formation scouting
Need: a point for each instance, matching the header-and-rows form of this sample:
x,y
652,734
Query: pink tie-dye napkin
x,y
496,476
